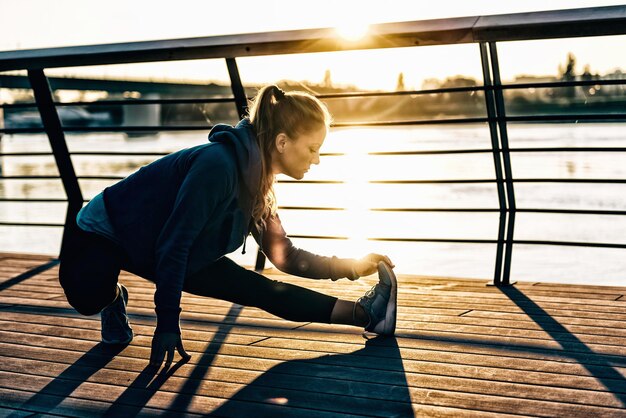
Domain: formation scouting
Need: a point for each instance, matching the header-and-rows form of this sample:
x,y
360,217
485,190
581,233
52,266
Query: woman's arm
x,y
209,180
277,246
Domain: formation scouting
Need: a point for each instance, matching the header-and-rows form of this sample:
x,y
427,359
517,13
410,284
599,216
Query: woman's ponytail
x,y
271,112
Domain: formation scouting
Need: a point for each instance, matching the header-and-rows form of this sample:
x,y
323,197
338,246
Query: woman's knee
x,y
84,294
82,306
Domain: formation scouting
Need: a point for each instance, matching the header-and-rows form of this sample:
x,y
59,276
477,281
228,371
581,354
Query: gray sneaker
x,y
115,326
380,302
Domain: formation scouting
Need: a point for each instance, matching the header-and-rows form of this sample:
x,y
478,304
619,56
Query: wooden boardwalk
x,y
462,349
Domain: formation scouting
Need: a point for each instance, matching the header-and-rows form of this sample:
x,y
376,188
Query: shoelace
x,y
371,293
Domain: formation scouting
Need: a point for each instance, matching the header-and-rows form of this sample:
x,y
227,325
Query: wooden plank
x,y
324,369
145,288
197,304
508,327
562,292
579,288
461,349
292,348
567,342
68,406
22,294
306,400
233,408
94,334
316,332
490,359
16,413
285,376
171,396
374,385
7,256
514,318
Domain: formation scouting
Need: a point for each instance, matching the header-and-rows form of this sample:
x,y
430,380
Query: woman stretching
x,y
174,220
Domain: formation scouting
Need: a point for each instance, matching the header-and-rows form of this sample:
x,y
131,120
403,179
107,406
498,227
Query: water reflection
x,y
356,196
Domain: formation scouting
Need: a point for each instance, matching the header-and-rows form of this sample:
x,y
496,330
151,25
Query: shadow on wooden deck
x,y
601,369
461,349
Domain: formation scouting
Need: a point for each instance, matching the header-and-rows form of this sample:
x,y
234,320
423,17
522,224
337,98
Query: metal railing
x,y
484,30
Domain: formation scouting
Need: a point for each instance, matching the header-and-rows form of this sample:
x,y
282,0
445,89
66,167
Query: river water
x,y
357,167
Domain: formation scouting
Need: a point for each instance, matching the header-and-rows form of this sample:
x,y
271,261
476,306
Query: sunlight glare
x,y
358,193
352,31
351,24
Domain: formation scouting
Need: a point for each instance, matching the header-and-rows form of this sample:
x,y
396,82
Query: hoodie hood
x,y
244,141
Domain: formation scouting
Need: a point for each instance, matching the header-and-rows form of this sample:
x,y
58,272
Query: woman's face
x,y
293,157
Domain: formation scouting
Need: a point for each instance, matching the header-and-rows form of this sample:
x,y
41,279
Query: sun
x,y
352,31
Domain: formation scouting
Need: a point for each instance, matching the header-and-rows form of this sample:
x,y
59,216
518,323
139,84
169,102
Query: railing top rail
x,y
593,21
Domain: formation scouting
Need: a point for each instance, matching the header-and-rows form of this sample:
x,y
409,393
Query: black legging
x,y
90,266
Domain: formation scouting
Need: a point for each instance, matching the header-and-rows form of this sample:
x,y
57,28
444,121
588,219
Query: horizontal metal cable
x,y
567,117
568,149
309,208
18,105
155,128
548,180
431,240
435,210
315,208
19,131
120,154
35,200
487,210
573,211
433,152
407,210
570,244
59,178
133,102
437,240
548,84
432,181
411,122
451,121
471,241
26,154
55,225
456,181
310,181
341,154
358,94
318,237
97,129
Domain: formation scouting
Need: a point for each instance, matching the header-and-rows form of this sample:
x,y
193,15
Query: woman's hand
x,y
369,264
166,342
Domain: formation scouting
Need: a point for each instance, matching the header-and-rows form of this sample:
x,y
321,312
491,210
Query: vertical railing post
x,y
241,101
54,130
506,158
493,131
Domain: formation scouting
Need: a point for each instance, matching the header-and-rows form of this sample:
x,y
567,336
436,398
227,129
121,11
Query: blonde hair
x,y
271,112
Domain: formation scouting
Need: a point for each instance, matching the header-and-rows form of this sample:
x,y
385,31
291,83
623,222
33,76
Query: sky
x,y
28,24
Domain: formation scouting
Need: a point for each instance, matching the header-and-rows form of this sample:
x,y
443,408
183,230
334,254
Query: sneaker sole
x,y
389,327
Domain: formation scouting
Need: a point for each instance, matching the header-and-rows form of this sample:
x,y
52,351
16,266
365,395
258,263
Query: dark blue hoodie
x,y
185,210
